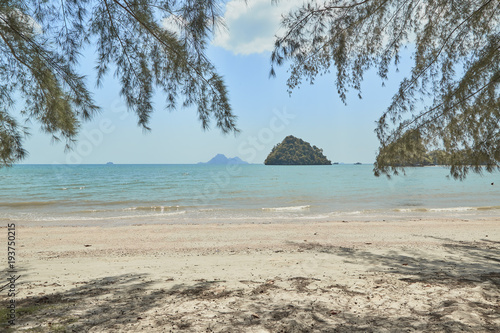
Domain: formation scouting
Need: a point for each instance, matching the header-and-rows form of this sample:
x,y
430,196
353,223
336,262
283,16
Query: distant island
x,y
109,163
295,151
221,159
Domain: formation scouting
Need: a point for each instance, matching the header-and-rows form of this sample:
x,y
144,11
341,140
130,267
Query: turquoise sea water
x,y
110,195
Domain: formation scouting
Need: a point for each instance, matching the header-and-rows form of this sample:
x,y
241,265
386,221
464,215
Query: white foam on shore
x,y
411,210
153,208
355,212
452,209
286,209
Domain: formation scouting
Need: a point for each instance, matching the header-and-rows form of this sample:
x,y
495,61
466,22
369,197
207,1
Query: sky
x,y
265,110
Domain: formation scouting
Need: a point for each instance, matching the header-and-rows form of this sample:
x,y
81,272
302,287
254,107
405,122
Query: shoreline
x,y
268,216
423,275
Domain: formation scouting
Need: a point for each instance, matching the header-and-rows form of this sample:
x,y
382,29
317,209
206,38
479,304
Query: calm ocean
x,y
109,195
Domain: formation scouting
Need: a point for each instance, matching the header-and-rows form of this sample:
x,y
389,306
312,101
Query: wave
x,y
355,212
204,210
154,208
452,209
71,188
447,209
86,211
287,209
409,210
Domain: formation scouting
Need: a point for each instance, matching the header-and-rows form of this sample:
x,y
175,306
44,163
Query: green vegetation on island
x,y
295,151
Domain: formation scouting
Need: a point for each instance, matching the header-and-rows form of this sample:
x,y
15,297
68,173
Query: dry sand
x,y
425,276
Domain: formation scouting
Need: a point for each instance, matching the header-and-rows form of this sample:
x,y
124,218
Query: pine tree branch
x,y
406,126
445,42
313,12
63,9
326,44
44,54
115,33
14,53
146,27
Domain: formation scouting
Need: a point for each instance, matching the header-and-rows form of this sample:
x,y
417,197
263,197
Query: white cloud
x,y
251,26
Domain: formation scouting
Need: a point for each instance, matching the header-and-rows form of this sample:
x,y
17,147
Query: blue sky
x,y
266,113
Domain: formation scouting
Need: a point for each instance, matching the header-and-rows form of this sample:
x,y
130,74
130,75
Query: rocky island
x,y
295,151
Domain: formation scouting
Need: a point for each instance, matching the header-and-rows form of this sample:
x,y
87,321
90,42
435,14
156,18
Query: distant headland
x,y
221,159
295,151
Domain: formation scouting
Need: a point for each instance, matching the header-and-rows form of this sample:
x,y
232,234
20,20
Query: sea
x,y
115,195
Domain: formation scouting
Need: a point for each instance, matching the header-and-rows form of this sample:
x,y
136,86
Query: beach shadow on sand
x,y
461,288
88,305
452,274
461,262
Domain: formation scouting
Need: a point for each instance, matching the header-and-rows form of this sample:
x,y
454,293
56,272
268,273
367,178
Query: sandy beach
x,y
351,276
